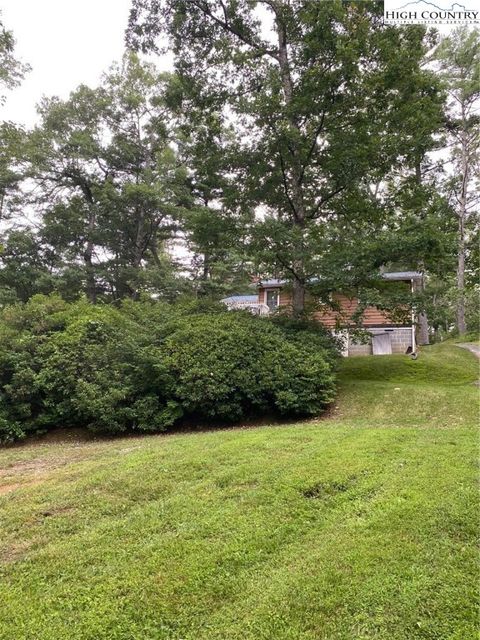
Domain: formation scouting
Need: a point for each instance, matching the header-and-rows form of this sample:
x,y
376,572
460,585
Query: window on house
x,y
272,298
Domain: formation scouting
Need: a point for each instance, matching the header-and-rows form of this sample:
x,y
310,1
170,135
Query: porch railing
x,y
257,308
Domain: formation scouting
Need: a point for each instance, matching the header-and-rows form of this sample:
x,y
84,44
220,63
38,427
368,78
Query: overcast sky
x,y
66,42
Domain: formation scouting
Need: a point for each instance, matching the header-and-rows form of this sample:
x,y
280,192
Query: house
x,y
387,336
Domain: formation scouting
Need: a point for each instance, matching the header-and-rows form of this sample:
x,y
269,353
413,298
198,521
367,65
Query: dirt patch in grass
x,y
29,473
321,490
56,511
12,486
62,435
35,467
15,552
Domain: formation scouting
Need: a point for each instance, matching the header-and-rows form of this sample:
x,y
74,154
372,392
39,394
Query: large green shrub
x,y
23,329
229,365
102,372
78,365
145,365
311,334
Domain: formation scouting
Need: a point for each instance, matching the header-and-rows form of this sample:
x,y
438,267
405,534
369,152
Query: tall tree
x,y
148,189
64,162
12,72
318,91
106,179
216,225
458,58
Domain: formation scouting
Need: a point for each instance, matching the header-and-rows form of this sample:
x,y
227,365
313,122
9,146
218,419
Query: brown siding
x,y
329,318
285,298
371,316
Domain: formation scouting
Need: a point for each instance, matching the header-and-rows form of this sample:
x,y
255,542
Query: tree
x,y
63,161
318,91
217,223
28,265
12,72
458,58
25,267
11,139
11,69
107,180
148,192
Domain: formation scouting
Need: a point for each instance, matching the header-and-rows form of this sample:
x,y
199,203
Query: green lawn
x,y
361,525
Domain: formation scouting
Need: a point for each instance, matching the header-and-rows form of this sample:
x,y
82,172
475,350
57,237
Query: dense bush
x,y
146,365
79,365
232,364
311,334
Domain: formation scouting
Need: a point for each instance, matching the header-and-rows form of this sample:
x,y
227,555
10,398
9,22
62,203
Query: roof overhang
x,y
394,276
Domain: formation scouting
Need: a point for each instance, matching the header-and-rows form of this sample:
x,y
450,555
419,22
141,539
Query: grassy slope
x,y
359,526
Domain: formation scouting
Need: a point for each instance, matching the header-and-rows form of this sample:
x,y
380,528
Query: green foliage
x,y
28,266
109,189
310,334
458,62
78,365
11,69
331,77
361,526
145,365
100,372
231,365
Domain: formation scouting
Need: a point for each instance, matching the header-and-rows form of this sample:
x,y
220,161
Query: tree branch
x,y
285,187
318,130
324,200
227,26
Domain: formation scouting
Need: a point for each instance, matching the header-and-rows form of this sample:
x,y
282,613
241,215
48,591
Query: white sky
x,y
66,42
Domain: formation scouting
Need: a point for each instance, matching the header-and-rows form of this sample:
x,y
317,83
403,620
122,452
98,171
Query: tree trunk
x,y
461,326
140,245
298,264
423,334
91,288
206,267
298,297
462,214
139,249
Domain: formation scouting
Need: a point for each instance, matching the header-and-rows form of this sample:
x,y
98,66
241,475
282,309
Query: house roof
x,y
394,275
403,275
233,299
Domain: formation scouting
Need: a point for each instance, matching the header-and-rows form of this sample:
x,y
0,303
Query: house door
x,y
382,344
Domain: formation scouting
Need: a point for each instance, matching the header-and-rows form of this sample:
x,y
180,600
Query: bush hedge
x,y
146,366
